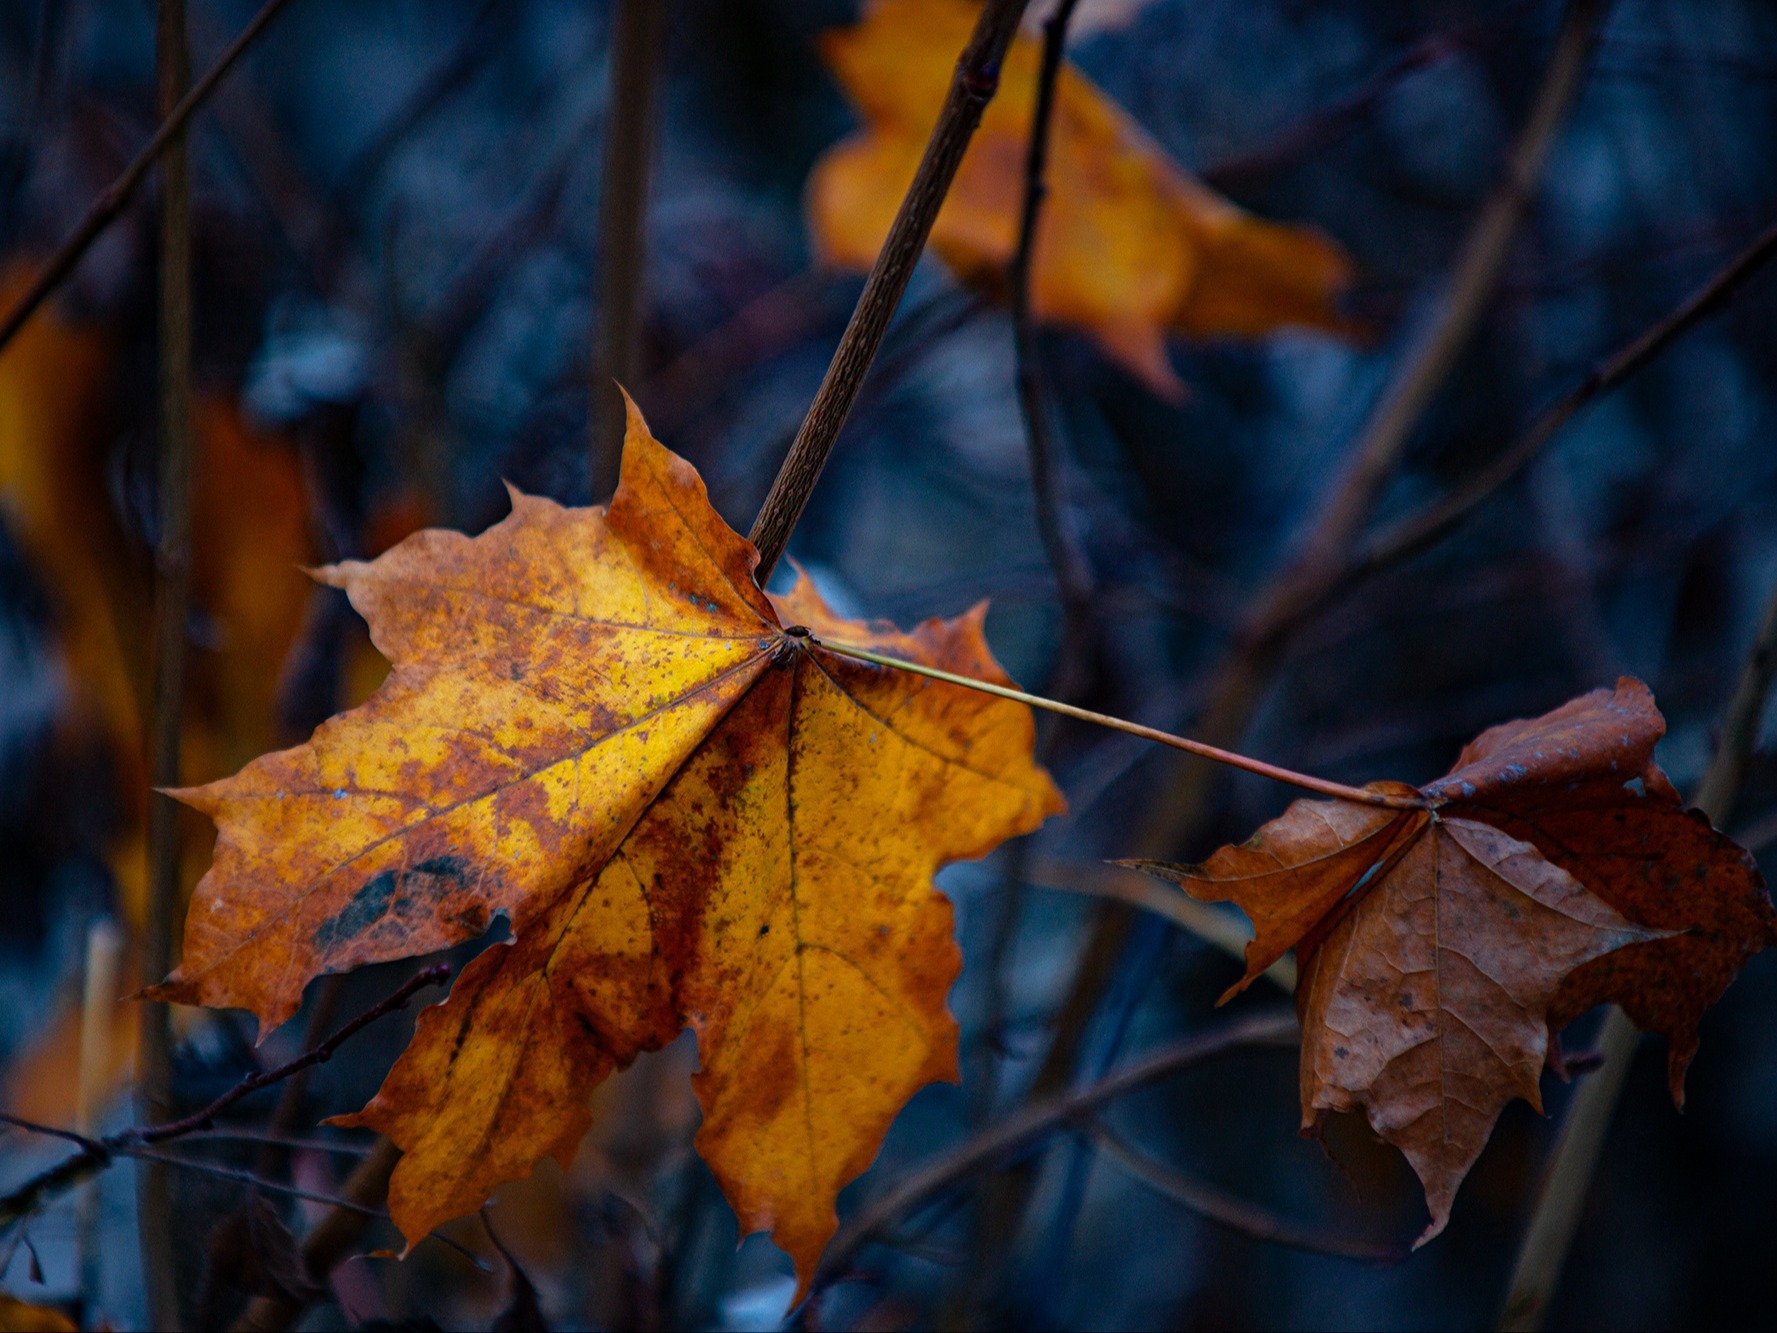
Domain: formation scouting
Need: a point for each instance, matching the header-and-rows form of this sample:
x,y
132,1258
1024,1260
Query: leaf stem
x,y
110,204
1337,790
973,86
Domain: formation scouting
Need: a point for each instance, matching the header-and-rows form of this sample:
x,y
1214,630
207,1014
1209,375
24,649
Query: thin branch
x,y
245,1177
1031,1123
1472,284
1061,543
172,601
111,203
288,1114
436,975
1415,533
98,1021
74,1136
1069,673
1225,1210
1326,124
976,80
637,41
137,1141
1324,787
18,1206
1548,1236
286,1142
1568,1180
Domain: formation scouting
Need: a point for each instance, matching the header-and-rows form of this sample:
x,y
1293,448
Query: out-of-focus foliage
x,y
1129,245
18,1316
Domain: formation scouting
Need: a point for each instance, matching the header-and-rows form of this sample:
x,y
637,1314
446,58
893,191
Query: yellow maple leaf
x,y
597,725
1129,245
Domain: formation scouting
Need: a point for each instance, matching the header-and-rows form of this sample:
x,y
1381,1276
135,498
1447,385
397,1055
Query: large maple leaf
x,y
597,725
1129,245
1553,869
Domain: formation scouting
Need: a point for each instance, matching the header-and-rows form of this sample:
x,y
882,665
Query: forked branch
x,y
138,1141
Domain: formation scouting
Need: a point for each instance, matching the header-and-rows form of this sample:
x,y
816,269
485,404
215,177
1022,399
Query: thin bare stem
x,y
1031,1123
1543,1252
110,204
637,41
1061,543
1548,1236
1740,726
287,1142
1469,295
138,1141
1419,531
1225,1210
172,598
436,975
976,80
1337,790
1069,673
246,1177
292,1099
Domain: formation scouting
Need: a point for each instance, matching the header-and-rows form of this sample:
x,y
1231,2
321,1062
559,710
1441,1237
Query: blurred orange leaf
x,y
1129,245
18,1316
54,388
251,535
598,726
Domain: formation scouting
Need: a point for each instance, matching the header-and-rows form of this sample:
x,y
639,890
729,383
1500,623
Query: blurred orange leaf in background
x,y
1129,245
251,536
18,1316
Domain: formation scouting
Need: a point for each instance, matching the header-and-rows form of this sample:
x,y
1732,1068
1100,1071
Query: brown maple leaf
x,y
1553,869
598,726
1581,785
